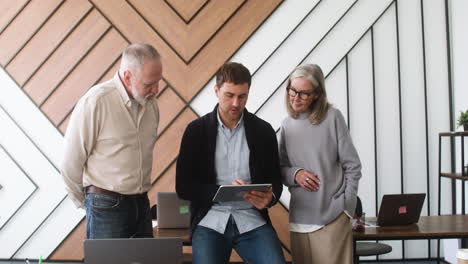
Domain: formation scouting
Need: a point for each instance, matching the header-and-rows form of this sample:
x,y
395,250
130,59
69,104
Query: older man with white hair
x,y
109,143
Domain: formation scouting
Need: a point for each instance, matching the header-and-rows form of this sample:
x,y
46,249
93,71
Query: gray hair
x,y
318,108
135,56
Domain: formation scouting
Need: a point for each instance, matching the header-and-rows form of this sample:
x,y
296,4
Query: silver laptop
x,y
172,211
133,251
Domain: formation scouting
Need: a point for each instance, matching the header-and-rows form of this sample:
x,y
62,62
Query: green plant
x,y
463,118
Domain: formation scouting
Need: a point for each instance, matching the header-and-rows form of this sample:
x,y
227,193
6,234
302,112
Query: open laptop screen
x,y
400,209
133,250
172,211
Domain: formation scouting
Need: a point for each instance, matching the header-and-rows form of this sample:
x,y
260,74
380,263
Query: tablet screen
x,y
235,193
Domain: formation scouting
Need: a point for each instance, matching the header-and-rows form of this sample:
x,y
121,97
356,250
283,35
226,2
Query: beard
x,y
142,100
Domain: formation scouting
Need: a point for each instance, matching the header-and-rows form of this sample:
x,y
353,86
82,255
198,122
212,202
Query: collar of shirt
x,y
239,124
131,104
122,91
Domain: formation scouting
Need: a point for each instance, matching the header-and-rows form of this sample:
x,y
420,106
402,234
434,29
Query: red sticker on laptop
x,y
402,210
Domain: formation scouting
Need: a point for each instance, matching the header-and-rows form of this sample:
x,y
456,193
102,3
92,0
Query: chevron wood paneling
x,y
111,71
187,9
47,38
168,143
187,39
24,27
63,127
72,250
9,9
85,75
170,104
55,50
188,79
62,61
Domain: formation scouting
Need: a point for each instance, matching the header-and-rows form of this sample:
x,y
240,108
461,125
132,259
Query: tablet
x,y
235,193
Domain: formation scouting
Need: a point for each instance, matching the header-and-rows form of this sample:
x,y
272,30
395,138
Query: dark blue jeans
x,y
117,216
259,246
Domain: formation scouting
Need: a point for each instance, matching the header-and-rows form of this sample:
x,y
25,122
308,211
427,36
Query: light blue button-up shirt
x,y
231,163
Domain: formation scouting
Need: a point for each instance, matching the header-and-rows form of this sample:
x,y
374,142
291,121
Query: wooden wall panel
x,y
63,126
165,183
60,103
126,20
162,87
186,39
72,250
9,9
66,57
24,26
187,9
170,104
220,48
47,39
111,72
188,79
168,143
57,49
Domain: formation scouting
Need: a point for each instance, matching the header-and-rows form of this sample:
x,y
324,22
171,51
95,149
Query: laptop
x,y
172,212
400,209
133,251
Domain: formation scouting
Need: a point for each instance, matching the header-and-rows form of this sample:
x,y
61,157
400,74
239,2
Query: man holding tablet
x,y
230,146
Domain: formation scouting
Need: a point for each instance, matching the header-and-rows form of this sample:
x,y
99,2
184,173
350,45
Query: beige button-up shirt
x,y
105,146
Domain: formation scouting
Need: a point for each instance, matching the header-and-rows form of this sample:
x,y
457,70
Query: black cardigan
x,y
196,175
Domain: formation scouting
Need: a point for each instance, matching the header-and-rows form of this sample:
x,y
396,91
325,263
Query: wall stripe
x,y
27,176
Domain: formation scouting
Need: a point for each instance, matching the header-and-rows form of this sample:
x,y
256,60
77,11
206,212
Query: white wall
x,y
387,70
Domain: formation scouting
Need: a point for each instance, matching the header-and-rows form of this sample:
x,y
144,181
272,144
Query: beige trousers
x,y
333,244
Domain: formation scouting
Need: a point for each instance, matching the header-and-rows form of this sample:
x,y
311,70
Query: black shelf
x,y
457,176
453,175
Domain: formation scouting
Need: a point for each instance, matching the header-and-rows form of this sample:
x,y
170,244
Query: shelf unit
x,y
463,175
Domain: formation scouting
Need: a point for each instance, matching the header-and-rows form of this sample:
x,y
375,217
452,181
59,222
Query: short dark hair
x,y
233,72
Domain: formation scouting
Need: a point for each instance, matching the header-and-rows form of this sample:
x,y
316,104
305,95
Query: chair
x,y
371,249
368,248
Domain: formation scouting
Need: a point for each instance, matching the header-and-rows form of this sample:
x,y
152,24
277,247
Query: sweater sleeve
x,y
288,172
350,163
188,185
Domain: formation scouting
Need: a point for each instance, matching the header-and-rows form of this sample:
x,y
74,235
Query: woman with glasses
x,y
321,167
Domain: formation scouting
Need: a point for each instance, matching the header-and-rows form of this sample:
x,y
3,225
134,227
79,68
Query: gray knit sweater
x,y
326,150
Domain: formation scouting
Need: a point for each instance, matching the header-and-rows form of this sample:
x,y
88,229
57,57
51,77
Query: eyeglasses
x,y
302,95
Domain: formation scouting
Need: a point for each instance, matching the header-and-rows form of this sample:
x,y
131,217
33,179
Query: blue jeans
x,y
259,246
117,216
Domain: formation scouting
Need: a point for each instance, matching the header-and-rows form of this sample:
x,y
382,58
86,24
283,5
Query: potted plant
x,y
463,120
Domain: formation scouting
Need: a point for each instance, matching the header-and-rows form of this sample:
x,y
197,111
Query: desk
x,y
428,227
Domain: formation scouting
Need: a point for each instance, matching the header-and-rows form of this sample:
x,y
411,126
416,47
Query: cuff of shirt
x,y
294,175
348,214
